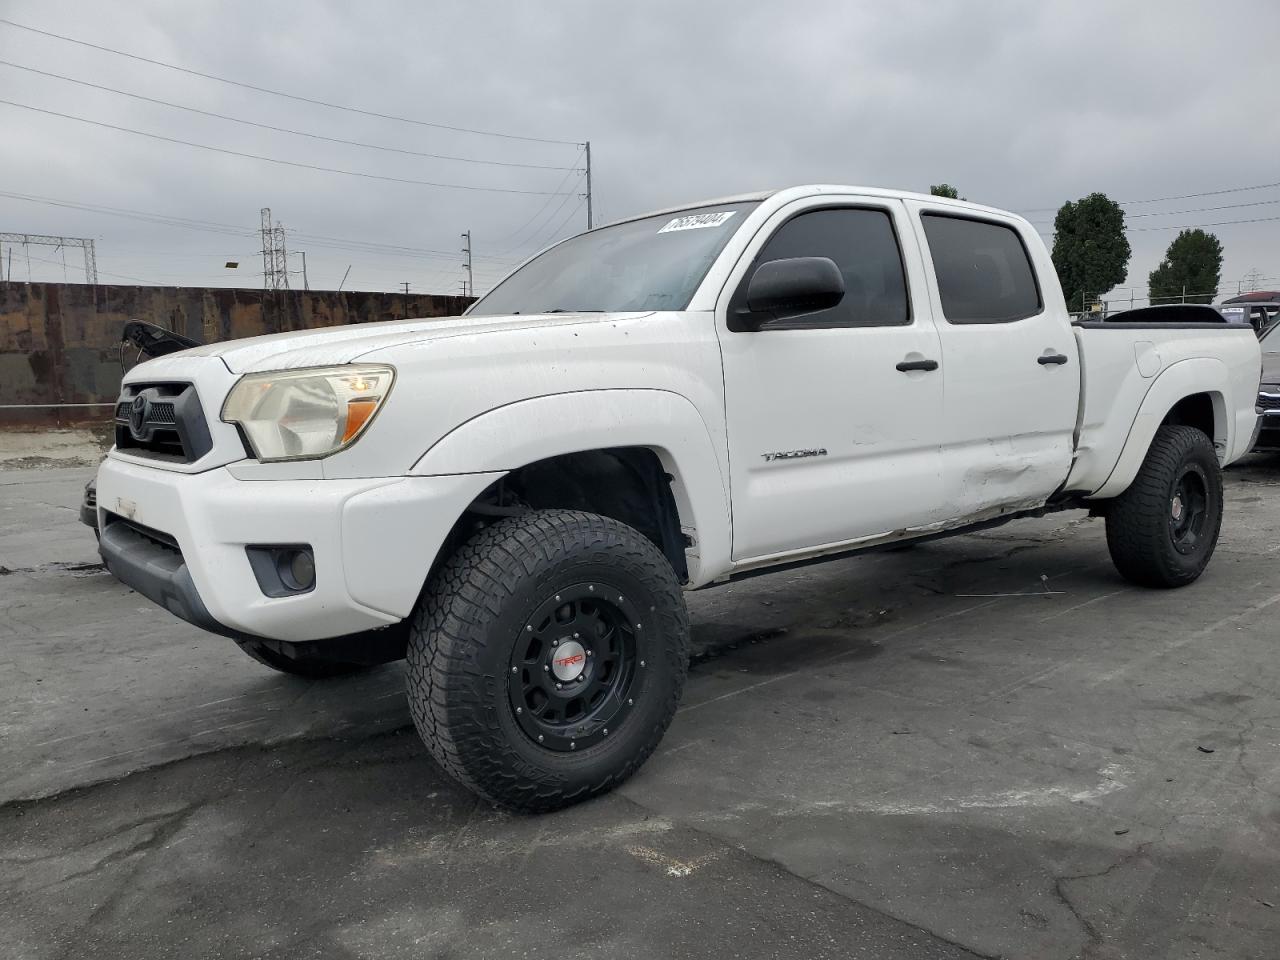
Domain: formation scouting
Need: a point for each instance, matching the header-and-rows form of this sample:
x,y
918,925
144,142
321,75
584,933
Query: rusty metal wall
x,y
59,342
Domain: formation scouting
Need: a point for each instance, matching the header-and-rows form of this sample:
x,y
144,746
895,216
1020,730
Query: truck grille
x,y
1269,401
162,421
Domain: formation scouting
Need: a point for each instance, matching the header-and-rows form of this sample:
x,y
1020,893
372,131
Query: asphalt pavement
x,y
979,747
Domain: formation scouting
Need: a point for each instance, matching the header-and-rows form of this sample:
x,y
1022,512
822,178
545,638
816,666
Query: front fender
x,y
517,434
1179,380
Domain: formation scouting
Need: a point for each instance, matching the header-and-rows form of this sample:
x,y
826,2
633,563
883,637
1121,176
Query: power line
x,y
268,126
511,241
105,273
1197,226
279,93
275,160
208,226
61,243
1185,196
527,241
1221,283
549,237
1176,213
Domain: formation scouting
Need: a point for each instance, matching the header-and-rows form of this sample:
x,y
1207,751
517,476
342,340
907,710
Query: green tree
x,y
1090,250
1192,267
945,190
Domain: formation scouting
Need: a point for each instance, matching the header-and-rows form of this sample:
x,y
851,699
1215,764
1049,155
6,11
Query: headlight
x,y
306,414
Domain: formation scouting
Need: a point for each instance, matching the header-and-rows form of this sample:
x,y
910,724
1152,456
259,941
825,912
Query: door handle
x,y
908,365
1045,359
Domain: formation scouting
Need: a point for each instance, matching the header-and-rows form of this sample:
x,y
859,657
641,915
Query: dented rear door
x,y
1011,370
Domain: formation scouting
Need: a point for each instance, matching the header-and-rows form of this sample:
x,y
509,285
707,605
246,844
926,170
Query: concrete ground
x,y
987,746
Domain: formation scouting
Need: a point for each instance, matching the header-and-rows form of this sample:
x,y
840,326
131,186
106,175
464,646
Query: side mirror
x,y
781,289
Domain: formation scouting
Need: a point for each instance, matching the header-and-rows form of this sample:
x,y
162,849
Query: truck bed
x,y
1127,365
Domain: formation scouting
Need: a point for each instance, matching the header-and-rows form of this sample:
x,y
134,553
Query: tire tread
x,y
1137,519
466,596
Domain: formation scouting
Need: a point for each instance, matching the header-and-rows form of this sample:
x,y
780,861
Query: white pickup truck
x,y
516,499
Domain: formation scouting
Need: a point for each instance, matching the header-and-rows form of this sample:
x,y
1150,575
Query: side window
x,y
864,246
984,273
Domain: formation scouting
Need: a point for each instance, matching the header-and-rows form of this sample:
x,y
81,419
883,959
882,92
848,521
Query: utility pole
x,y
469,286
267,281
305,284
588,148
406,287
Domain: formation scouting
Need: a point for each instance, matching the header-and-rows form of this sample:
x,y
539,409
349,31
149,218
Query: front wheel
x,y
1162,530
546,658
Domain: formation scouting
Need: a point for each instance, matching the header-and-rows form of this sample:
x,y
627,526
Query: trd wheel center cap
x,y
568,660
1176,508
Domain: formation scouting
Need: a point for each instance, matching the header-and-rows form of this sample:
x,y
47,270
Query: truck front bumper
x,y
1267,436
182,540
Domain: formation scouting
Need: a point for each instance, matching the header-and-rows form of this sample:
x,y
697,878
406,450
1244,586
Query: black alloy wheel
x,y
1188,509
574,666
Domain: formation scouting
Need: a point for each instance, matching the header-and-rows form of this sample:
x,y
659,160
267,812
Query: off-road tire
x,y
465,631
311,669
1139,533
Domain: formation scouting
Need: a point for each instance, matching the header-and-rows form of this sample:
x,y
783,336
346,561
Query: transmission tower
x,y
39,240
275,261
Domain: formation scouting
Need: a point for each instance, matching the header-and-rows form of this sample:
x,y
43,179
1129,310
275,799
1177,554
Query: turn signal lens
x,y
306,414
359,411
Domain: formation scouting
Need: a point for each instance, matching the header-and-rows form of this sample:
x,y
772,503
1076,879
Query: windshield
x,y
651,264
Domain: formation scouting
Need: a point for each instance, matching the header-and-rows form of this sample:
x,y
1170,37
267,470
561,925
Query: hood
x,y
1271,368
330,346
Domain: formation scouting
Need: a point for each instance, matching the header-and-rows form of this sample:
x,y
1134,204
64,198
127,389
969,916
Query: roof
x,y
811,189
1257,296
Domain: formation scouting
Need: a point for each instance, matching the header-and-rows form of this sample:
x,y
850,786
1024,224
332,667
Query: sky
x,y
1020,104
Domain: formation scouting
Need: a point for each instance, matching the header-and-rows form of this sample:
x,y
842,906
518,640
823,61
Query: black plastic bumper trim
x,y
157,571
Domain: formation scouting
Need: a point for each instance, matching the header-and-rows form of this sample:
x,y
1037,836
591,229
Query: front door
x,y
833,417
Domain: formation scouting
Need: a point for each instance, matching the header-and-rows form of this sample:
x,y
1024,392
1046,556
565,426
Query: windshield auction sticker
x,y
698,221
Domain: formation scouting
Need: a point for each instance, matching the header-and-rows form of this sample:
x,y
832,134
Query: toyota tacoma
x,y
516,500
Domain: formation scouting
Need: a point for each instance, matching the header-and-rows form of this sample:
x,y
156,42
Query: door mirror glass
x,y
782,289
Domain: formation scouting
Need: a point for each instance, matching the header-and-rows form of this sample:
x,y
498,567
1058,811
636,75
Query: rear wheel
x,y
1162,530
547,657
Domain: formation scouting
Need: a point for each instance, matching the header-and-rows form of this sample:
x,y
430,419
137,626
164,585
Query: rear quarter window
x,y
983,269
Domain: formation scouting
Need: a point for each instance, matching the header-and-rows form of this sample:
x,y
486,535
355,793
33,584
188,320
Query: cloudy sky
x,y
1021,104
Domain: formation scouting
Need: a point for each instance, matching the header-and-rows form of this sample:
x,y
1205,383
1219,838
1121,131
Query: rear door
x,y
833,416
1011,371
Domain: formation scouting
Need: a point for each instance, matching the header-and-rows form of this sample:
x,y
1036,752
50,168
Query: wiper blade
x,y
563,310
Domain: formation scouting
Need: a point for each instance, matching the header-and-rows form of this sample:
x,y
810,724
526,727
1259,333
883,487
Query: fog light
x,y
284,570
302,570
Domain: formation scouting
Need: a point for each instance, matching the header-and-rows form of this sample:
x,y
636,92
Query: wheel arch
x,y
1193,392
656,438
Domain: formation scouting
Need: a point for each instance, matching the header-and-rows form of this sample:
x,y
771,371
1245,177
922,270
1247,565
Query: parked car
x,y
1269,392
516,499
1258,309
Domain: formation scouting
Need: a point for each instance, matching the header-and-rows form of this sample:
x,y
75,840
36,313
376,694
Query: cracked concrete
x,y
915,754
